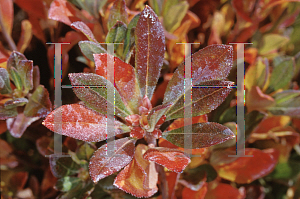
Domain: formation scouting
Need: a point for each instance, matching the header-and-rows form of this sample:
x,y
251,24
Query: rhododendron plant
x,y
134,114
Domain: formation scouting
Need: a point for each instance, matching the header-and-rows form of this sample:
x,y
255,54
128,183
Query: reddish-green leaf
x,y
125,79
204,135
91,88
79,25
101,165
39,104
81,123
245,170
7,14
150,48
117,13
116,34
172,159
89,48
18,125
12,64
211,63
10,104
205,99
129,38
139,178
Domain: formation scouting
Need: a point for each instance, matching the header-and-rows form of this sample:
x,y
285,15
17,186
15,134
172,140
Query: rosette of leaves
x,y
134,114
23,100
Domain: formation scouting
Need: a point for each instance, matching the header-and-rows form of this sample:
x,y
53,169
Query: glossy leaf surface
x,y
80,123
150,47
125,79
223,191
79,25
101,165
204,99
211,63
139,178
94,94
204,135
172,159
39,104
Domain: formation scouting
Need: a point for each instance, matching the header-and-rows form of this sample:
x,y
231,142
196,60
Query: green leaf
x,y
204,99
286,170
67,183
155,114
272,42
85,151
39,104
257,75
252,119
15,77
167,5
20,70
179,10
4,82
210,63
150,49
204,135
129,38
229,115
116,34
287,103
95,96
62,166
281,75
117,13
92,6
88,48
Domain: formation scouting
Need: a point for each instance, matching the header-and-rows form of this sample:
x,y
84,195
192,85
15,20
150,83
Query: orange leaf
x,y
172,159
257,100
7,12
25,37
81,123
223,191
101,165
139,178
34,7
247,169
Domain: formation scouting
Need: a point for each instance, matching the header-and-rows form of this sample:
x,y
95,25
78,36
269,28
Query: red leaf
x,y
172,159
101,165
42,145
80,123
34,7
125,79
150,48
139,178
19,124
223,191
245,170
257,100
